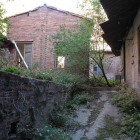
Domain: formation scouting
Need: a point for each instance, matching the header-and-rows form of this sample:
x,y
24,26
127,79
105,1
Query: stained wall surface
x,y
26,101
131,54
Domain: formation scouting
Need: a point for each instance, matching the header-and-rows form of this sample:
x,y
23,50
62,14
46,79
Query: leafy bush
x,y
97,81
12,69
129,102
58,119
131,125
75,81
44,133
80,99
31,72
44,76
101,82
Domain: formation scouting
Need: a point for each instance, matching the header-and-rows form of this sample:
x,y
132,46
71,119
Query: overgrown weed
x,y
101,82
43,133
128,102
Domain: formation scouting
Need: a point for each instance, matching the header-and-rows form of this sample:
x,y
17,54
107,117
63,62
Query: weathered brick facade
x,y
36,26
130,56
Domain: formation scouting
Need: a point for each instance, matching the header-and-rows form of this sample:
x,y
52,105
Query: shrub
x,y
97,81
129,102
12,69
44,133
75,81
43,76
131,125
101,82
80,99
58,119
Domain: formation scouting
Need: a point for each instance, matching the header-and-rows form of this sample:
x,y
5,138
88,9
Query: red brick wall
x,y
37,28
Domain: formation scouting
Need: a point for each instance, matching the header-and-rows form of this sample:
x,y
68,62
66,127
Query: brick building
x,y
122,33
32,29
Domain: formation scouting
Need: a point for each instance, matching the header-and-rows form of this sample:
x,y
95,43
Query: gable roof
x,y
121,14
50,7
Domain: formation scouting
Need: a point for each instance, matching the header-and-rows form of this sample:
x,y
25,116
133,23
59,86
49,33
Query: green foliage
x,y
88,105
78,99
101,82
129,102
4,25
58,119
74,45
12,69
43,76
75,81
131,125
31,72
44,133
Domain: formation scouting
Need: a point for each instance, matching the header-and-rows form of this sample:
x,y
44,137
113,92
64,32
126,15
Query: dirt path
x,y
101,121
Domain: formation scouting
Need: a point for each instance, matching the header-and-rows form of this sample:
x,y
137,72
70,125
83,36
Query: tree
x,y
94,10
78,45
4,25
74,44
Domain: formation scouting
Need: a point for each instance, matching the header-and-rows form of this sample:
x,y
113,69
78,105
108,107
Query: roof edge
x,y
50,7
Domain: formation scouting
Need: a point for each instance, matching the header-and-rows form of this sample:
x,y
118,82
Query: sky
x,y
18,6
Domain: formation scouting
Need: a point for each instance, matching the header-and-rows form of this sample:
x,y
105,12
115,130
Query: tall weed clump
x,y
128,102
101,82
43,133
75,81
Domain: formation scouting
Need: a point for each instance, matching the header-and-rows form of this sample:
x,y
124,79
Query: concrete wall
x,y
112,65
36,26
24,101
131,55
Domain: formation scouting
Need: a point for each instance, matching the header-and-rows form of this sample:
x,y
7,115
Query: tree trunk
x,y
104,74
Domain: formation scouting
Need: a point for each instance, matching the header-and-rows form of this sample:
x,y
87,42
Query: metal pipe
x,y
20,54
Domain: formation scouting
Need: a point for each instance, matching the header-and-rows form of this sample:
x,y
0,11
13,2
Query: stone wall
x,y
24,100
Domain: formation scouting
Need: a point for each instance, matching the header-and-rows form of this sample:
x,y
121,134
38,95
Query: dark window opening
x,y
13,128
95,68
26,51
13,131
